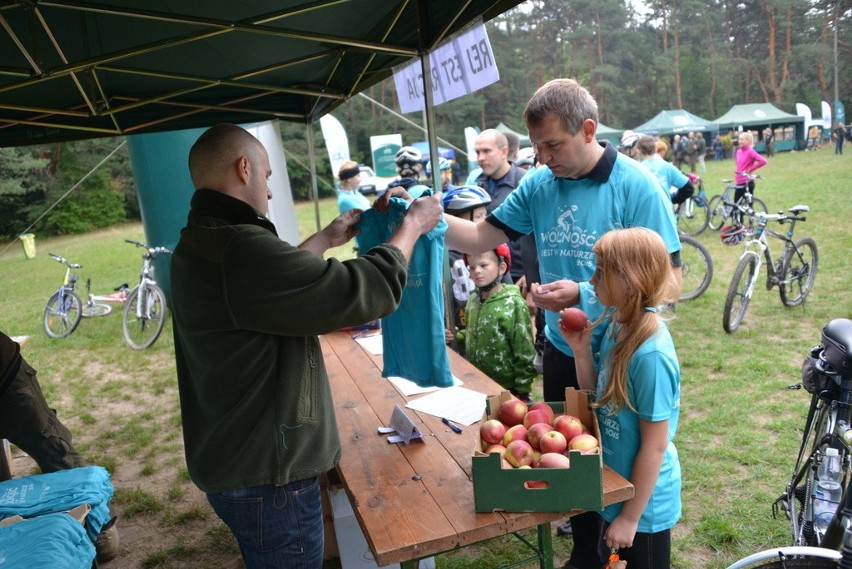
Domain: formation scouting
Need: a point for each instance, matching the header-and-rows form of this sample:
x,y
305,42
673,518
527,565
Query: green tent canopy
x,y
676,121
789,129
610,134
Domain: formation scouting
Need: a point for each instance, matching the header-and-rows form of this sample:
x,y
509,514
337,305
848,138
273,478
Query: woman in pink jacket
x,y
747,160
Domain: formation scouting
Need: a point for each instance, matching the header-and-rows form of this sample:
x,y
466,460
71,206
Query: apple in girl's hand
x,y
492,431
574,319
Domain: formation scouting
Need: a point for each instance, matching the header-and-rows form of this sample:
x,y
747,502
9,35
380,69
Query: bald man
x,y
258,419
499,177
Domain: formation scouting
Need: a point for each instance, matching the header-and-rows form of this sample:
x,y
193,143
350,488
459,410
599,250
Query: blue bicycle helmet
x,y
443,164
461,199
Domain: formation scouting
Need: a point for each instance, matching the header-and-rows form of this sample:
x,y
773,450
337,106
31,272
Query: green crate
x,y
579,487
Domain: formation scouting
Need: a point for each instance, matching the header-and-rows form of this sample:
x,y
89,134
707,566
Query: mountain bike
x,y
145,308
696,267
793,272
63,310
722,207
827,376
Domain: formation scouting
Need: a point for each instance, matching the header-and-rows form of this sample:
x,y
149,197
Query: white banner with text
x,y
461,65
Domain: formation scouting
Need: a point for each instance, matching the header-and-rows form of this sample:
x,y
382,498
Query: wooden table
x,y
415,501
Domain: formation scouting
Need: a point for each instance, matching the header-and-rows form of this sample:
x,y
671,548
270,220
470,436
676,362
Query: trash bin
x,y
28,240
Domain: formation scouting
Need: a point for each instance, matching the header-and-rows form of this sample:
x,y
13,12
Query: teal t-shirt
x,y
666,173
653,388
413,336
347,200
568,216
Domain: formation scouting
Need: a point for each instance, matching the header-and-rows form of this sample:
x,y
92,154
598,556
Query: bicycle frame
x,y
145,279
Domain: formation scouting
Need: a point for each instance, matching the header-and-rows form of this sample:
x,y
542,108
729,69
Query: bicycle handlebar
x,y
151,250
65,261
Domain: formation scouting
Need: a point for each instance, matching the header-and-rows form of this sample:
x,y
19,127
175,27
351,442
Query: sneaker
x,y
564,528
107,543
538,363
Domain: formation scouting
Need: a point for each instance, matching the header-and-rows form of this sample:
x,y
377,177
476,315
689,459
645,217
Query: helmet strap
x,y
487,288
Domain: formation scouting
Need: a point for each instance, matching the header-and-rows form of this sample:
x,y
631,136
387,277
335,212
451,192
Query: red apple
x,y
554,460
504,464
553,441
574,319
499,449
583,443
568,425
512,412
535,433
536,457
535,484
544,407
492,431
534,417
516,433
519,453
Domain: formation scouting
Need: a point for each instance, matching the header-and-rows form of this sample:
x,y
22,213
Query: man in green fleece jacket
x,y
258,419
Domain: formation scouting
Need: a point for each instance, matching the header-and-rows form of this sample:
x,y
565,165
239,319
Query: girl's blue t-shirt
x,y
666,173
653,388
354,199
568,216
413,336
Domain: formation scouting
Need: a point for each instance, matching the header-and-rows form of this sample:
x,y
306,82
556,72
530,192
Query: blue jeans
x,y
275,526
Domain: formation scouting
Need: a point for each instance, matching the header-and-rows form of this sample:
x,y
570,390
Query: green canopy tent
x,y
679,121
789,129
610,134
504,128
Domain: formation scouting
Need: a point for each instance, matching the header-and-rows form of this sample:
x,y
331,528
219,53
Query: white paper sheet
x,y
372,343
408,388
458,404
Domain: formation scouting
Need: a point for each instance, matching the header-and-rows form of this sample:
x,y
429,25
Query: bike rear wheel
x,y
696,268
798,272
95,309
716,213
693,215
739,293
144,316
62,315
790,558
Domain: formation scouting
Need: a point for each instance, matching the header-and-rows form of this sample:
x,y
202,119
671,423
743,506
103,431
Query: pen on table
x,y
451,425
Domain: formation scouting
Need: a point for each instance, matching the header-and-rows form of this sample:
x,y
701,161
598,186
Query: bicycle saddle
x,y
797,209
837,346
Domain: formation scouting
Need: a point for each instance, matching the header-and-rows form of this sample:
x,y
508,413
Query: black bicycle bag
x,y
837,346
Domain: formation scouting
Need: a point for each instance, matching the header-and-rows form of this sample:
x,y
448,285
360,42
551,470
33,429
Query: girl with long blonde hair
x,y
636,381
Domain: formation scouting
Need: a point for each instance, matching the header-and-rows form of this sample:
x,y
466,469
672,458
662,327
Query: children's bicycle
x,y
723,210
818,543
145,308
63,310
96,305
793,272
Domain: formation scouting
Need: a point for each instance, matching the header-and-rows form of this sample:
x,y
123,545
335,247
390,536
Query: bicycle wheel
x,y
95,309
739,293
693,215
144,317
798,272
61,316
790,558
716,213
696,268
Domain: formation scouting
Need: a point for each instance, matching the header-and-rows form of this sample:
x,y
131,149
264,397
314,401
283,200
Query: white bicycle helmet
x,y
408,157
443,164
732,234
462,199
629,140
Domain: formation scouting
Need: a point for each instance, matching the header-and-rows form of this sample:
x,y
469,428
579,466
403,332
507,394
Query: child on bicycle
x,y
636,379
497,337
747,160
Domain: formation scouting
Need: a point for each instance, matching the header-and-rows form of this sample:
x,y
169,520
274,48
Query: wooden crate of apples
x,y
541,458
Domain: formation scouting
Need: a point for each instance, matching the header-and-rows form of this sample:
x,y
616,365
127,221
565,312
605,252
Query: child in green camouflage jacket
x,y
497,337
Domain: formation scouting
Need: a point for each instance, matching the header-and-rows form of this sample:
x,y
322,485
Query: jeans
x,y
275,526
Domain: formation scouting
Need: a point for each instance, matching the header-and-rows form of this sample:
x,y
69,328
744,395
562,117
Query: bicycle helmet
x,y
443,164
526,158
408,157
732,234
503,253
461,199
628,140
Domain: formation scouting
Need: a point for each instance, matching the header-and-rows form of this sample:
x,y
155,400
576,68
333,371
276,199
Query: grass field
x,y
739,424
